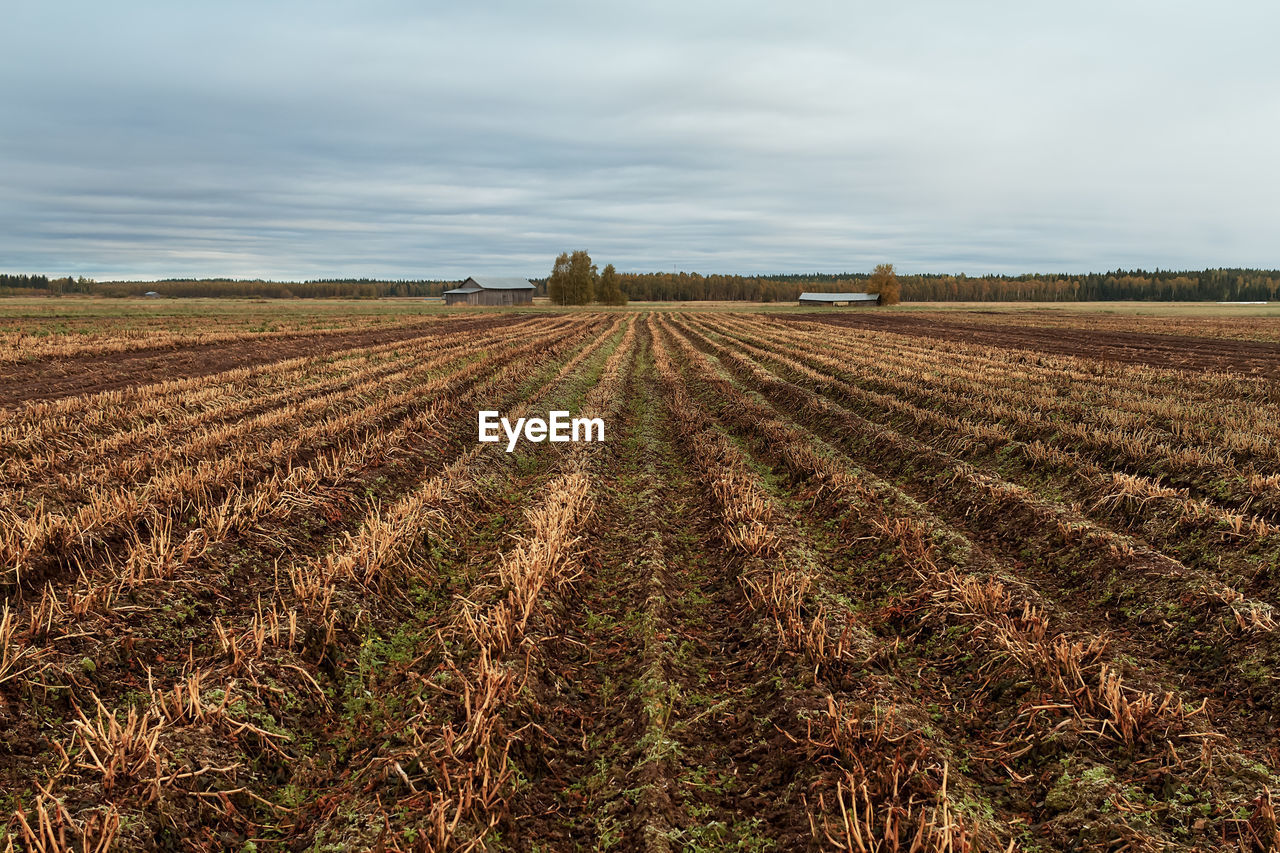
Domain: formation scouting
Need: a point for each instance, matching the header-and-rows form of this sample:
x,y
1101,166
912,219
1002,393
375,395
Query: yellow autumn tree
x,y
884,281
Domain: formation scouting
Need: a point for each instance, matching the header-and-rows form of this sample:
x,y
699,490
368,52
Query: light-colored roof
x,y
494,282
472,289
839,297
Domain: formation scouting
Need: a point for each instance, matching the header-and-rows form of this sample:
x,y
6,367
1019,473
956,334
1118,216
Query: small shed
x,y
847,299
491,290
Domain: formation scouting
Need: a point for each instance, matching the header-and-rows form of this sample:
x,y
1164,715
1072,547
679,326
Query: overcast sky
x,y
431,140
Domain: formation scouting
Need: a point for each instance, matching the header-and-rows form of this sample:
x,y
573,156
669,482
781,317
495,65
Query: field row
x,y
818,590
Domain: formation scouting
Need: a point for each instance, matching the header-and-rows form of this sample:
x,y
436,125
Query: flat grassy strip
x,y
657,692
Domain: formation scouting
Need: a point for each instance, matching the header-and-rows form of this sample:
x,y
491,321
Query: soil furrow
x,y
93,374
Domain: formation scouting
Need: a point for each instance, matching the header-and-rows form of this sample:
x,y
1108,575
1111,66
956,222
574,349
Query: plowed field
x,y
849,586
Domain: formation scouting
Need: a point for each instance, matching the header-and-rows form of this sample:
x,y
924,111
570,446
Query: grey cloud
x,y
392,139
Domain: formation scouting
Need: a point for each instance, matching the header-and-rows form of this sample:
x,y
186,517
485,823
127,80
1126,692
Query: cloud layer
x,y
308,139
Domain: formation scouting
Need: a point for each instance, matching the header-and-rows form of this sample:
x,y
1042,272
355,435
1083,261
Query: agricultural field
x,y
885,581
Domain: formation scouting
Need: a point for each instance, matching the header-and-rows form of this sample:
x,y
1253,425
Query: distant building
x,y
151,294
491,290
848,299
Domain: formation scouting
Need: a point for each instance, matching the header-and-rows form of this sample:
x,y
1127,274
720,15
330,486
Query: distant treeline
x,y
1162,285
17,285
688,286
334,288
25,282
349,288
1212,285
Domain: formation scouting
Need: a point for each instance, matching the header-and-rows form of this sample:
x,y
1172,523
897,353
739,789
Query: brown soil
x,y
1069,578
653,708
1184,352
170,623
659,621
47,379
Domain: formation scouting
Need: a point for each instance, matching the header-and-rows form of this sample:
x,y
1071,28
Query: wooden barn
x,y
849,300
491,290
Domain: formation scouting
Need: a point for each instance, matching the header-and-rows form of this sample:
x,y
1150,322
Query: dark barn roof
x,y
494,282
839,297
